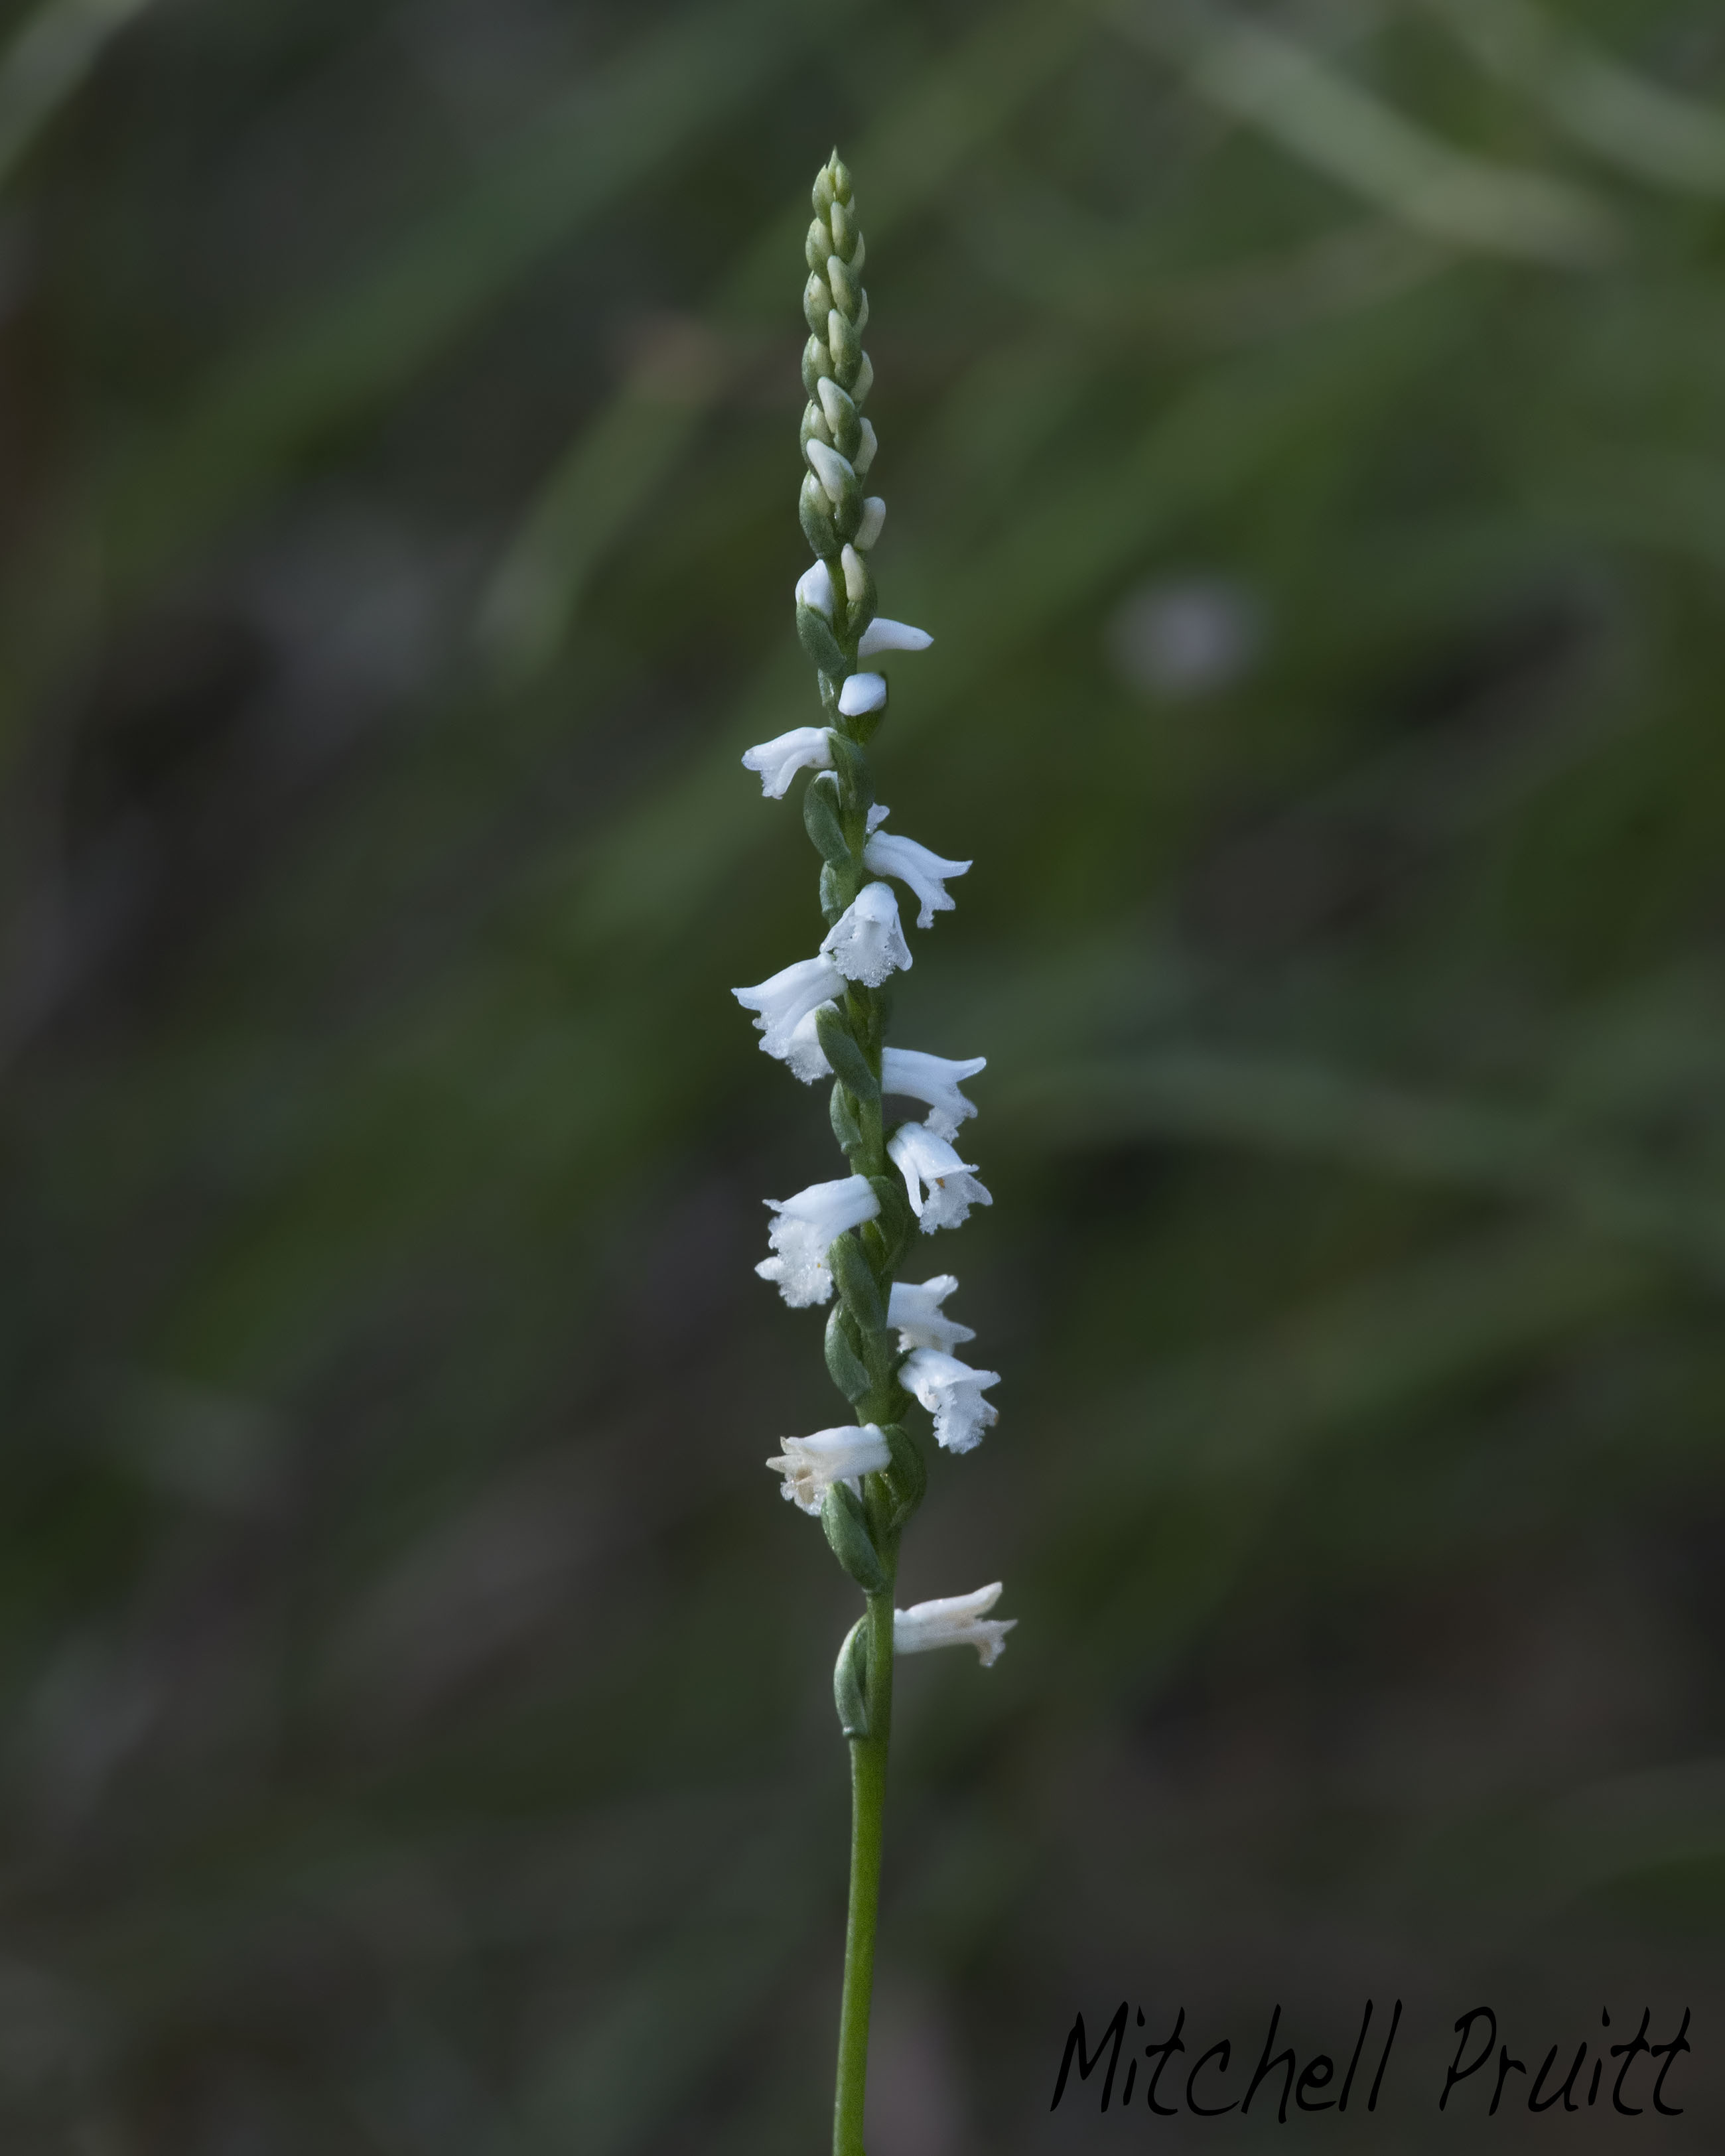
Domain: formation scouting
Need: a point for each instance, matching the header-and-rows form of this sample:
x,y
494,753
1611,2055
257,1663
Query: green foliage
x,y
1304,440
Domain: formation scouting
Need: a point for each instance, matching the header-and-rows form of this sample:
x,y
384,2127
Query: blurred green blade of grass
x,y
45,63
1643,128
1452,195
1112,284
611,2083
335,363
1199,1457
1282,1107
1246,1414
624,454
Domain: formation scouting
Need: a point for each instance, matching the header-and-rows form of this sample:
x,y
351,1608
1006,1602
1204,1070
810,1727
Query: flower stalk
x,y
840,1242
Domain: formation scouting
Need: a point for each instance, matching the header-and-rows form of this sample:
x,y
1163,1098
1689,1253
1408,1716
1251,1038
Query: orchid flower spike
x,y
840,1243
916,1311
925,1158
934,1079
887,855
811,1465
952,1393
780,1002
866,943
959,1621
778,761
805,1229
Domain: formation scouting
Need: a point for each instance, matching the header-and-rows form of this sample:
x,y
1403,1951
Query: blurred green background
x,y
1305,436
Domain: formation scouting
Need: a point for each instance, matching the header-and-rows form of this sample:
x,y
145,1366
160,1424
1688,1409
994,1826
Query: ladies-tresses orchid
x,y
942,1187
952,1393
915,1310
778,761
933,1079
958,1621
810,1465
840,1243
887,855
804,1230
866,943
784,999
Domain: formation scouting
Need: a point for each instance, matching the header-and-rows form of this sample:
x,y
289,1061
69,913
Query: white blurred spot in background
x,y
1185,636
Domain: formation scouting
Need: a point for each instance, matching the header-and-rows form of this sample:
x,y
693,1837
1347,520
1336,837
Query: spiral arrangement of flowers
x,y
889,1341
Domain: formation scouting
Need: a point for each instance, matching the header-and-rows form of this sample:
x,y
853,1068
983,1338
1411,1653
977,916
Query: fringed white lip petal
x,y
952,1392
804,1229
866,943
940,1187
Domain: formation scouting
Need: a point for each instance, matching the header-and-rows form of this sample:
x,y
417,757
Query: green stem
x,y
867,1821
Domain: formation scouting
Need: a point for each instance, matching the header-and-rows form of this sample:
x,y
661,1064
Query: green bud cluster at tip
x,y
837,441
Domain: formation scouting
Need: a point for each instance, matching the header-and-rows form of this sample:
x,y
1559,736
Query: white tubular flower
x,y
958,1621
862,692
865,449
922,1156
916,1310
804,748
810,1465
866,943
815,588
783,1001
884,635
889,855
952,1393
804,1231
934,1079
873,516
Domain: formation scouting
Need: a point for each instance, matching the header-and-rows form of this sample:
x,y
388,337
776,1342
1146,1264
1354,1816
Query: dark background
x,y
1306,443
